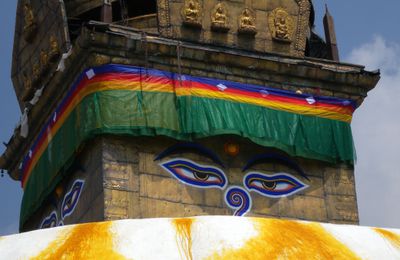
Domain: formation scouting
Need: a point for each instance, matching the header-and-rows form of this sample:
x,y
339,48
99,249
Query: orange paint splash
x,y
392,237
279,239
85,241
183,229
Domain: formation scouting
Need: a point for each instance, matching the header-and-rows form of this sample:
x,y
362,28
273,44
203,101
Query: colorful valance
x,y
124,100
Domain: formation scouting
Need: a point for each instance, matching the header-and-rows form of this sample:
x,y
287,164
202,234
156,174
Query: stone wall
x,y
123,180
257,34
131,177
89,205
136,186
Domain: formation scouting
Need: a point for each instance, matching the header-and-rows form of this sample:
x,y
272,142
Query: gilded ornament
x,y
54,49
220,19
101,59
27,82
36,72
281,25
192,13
30,26
44,60
247,22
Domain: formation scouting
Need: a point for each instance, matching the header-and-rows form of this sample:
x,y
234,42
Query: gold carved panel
x,y
41,36
247,22
192,14
263,26
281,25
220,18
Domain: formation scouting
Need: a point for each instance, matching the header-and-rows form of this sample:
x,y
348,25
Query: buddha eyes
x,y
275,186
50,221
194,174
71,199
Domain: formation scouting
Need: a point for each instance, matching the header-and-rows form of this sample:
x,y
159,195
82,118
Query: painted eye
x,y
50,221
275,186
194,174
71,199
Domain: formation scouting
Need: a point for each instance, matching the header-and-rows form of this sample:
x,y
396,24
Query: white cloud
x,y
376,129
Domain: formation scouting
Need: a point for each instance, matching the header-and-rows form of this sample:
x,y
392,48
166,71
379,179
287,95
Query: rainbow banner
x,y
116,99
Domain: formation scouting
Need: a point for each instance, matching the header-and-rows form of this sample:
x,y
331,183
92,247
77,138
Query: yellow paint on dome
x,y
85,241
392,237
278,239
183,227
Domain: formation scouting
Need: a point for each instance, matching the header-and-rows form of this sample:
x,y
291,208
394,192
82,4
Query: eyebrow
x,y
275,158
190,147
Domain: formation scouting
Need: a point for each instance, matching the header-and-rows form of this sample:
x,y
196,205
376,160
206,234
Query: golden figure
x,y
247,24
30,24
36,72
54,50
192,13
219,20
44,59
27,83
281,25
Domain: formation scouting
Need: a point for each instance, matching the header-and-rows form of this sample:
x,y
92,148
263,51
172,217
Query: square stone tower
x,y
145,108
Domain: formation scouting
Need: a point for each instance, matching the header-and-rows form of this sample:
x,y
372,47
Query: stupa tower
x,y
158,108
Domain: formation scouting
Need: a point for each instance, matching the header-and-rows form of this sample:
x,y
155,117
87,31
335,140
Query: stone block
x,y
133,205
160,188
118,150
339,181
116,204
303,207
121,176
316,187
116,198
93,214
194,210
192,195
264,206
148,165
119,60
342,208
154,208
214,198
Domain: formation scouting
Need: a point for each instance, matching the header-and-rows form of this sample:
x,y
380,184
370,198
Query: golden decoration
x,y
192,13
30,26
101,59
247,22
27,82
220,19
36,72
54,49
231,149
59,191
281,25
44,60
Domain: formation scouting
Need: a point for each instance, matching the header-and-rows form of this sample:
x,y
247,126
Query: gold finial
x,y
191,13
247,22
281,25
220,19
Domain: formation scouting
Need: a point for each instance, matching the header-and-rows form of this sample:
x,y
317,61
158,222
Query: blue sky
x,y
367,33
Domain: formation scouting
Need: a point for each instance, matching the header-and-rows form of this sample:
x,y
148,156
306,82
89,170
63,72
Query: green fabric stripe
x,y
185,118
